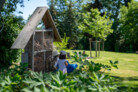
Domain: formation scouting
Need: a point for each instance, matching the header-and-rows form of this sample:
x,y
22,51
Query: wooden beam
x,y
33,51
28,49
39,51
47,30
44,54
29,28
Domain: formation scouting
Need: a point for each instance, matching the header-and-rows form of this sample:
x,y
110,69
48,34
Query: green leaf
x,y
54,87
26,90
65,89
37,89
72,82
116,62
102,76
58,83
43,89
111,62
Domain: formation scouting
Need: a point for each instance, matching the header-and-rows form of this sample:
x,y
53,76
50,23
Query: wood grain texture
x,y
48,61
29,50
29,28
49,29
24,36
39,64
49,23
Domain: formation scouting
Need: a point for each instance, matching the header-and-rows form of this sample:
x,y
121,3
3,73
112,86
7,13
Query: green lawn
x,y
127,74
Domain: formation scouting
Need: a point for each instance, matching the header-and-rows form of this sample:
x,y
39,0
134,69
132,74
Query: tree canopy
x,y
10,26
96,25
128,25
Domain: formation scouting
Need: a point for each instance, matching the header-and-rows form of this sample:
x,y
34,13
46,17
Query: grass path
x,y
127,74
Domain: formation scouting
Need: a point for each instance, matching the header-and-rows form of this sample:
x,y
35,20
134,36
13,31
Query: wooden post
x,y
99,48
52,64
33,52
83,52
44,53
90,41
103,46
96,49
78,54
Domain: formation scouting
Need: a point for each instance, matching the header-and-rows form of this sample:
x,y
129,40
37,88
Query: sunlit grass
x,y
127,74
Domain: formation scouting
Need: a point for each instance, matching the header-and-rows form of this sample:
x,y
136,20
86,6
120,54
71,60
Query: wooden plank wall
x,y
39,64
43,60
28,49
48,61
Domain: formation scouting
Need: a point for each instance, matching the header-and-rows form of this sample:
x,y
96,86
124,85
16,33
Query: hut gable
x,y
41,13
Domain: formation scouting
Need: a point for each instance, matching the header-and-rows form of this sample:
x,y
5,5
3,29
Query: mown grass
x,y
127,74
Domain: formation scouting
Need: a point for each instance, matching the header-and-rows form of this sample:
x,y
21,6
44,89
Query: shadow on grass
x,y
126,78
127,84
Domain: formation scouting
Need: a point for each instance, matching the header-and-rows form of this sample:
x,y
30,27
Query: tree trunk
x,y
90,41
103,46
1,4
99,49
96,49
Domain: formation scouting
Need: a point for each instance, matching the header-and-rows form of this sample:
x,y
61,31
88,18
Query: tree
x,y
10,5
63,45
96,25
10,26
112,7
52,9
66,15
2,3
128,25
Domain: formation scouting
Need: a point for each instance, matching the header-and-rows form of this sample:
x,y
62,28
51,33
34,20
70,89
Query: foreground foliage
x,y
89,77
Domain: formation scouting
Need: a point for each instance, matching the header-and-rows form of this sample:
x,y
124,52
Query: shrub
x,y
89,78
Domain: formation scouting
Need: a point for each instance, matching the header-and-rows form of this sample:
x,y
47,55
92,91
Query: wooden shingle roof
x,y
41,13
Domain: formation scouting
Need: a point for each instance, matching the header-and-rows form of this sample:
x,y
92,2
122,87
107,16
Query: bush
x,y
9,28
87,78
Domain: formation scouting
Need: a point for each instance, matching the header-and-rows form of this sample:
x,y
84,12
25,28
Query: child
x,y
62,62
55,58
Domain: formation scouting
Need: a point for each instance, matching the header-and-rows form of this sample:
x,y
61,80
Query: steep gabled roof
x,y
41,13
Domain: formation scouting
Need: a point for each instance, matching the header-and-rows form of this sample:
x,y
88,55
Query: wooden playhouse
x,y
38,44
